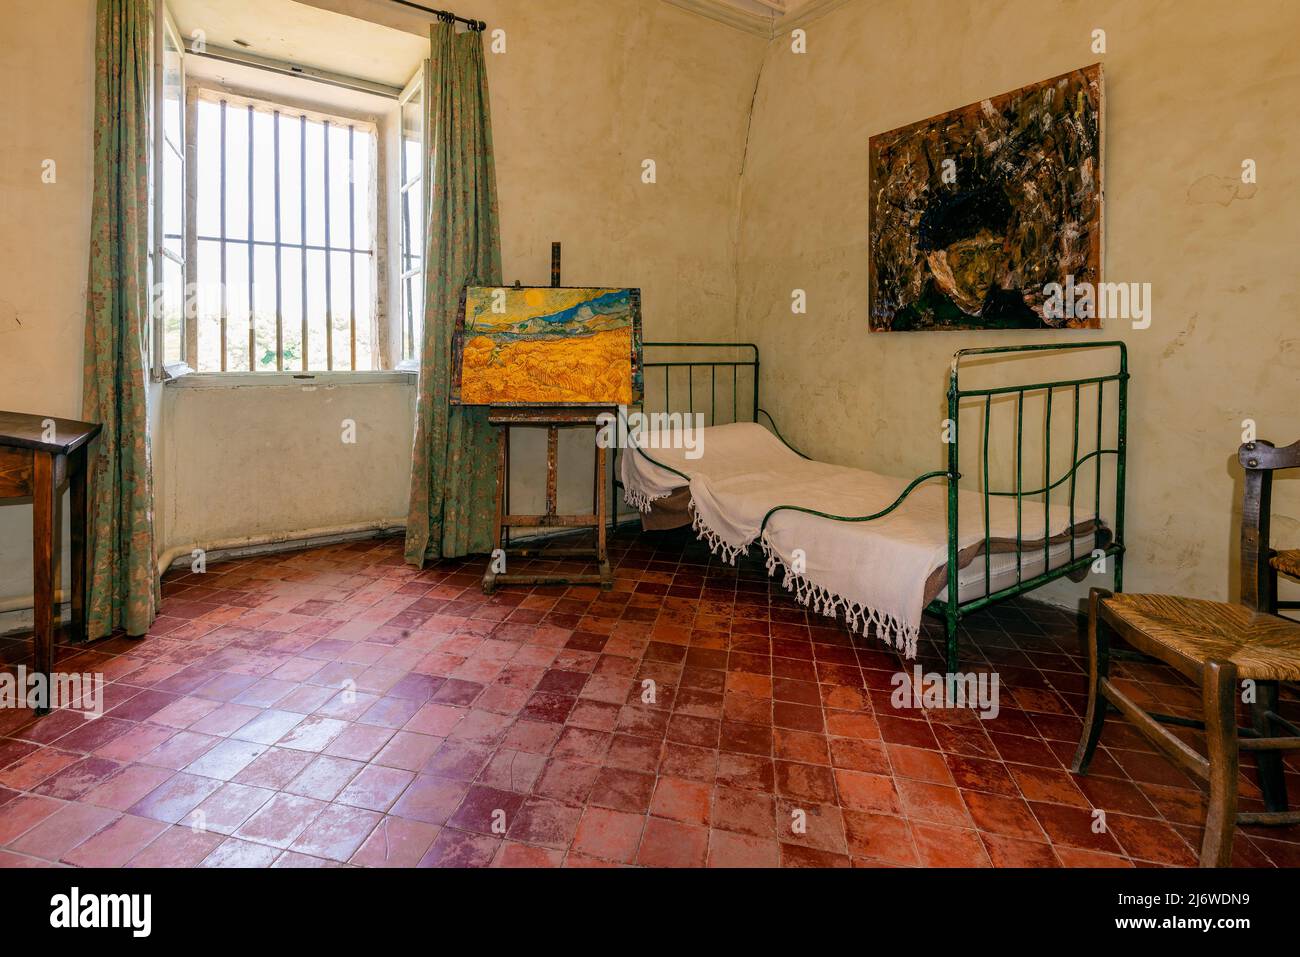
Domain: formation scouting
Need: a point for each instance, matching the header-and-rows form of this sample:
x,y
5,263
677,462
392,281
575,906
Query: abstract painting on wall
x,y
976,213
545,345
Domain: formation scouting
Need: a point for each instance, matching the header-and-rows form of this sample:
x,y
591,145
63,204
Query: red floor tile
x,y
339,707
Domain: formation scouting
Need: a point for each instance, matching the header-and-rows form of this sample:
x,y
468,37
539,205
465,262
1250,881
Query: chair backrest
x,y
1260,459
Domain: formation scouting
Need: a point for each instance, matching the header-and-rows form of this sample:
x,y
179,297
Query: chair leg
x,y
1098,668
1271,776
1219,696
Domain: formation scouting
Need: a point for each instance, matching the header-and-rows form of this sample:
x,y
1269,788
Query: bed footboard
x,y
1108,541
1107,547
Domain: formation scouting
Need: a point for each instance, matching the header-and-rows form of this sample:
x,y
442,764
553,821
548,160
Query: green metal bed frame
x,y
951,609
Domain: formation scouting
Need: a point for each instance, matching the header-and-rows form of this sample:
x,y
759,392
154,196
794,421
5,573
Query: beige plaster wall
x,y
47,68
1192,89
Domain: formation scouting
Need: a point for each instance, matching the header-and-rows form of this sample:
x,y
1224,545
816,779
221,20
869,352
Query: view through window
x,y
285,239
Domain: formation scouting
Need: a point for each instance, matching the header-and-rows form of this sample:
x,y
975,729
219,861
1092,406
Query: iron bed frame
x,y
951,609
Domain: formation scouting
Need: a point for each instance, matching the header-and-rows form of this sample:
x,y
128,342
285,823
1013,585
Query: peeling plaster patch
x,y
9,320
1219,189
1180,340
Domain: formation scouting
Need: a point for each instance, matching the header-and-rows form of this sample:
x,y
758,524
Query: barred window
x,y
285,271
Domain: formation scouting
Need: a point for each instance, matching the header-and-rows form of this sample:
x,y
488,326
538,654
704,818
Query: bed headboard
x,y
718,380
687,377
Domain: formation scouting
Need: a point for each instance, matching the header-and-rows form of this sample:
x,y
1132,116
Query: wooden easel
x,y
554,419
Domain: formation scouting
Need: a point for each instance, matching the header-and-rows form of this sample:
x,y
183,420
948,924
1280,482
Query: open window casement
x,y
412,210
168,343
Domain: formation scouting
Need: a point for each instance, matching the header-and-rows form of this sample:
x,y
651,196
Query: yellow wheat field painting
x,y
548,346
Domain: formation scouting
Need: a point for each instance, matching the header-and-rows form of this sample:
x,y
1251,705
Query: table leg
x,y
80,519
43,514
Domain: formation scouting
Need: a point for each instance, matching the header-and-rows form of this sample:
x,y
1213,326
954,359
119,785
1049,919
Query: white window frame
x,y
164,28
408,352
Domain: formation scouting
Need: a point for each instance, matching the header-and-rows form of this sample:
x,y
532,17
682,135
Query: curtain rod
x,y
444,15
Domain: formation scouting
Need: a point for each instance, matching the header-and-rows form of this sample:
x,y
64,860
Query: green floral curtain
x,y
453,472
124,589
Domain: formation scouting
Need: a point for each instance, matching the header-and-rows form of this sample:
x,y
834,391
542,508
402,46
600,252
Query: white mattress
x,y
1002,567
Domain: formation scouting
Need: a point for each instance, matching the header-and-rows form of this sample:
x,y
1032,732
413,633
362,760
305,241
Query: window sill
x,y
240,380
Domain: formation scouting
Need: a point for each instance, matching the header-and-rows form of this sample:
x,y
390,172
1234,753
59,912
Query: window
x,y
284,238
167,250
411,211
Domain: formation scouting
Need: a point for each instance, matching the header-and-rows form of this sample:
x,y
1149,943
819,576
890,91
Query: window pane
x,y
413,315
173,198
364,265
207,305
315,184
291,307
173,277
208,171
340,174
237,304
316,355
264,311
412,120
236,178
173,92
264,176
361,190
413,228
341,298
291,128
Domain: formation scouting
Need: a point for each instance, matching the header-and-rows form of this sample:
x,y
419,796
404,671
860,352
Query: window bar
x,y
252,324
668,371
329,307
713,395
225,302
690,390
352,244
302,236
279,255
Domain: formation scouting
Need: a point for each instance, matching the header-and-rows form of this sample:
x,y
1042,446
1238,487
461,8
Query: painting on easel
x,y
547,345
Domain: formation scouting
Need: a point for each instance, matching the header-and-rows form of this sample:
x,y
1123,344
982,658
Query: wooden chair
x,y
1260,563
1217,645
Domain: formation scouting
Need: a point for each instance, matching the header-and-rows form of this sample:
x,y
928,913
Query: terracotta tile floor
x,y
336,706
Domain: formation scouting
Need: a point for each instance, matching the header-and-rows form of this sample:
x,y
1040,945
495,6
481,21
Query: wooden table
x,y
39,457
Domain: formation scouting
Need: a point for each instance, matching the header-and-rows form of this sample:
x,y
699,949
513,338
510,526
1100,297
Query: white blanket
x,y
875,572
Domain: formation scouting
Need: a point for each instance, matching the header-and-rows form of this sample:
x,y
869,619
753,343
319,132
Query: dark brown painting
x,y
976,213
